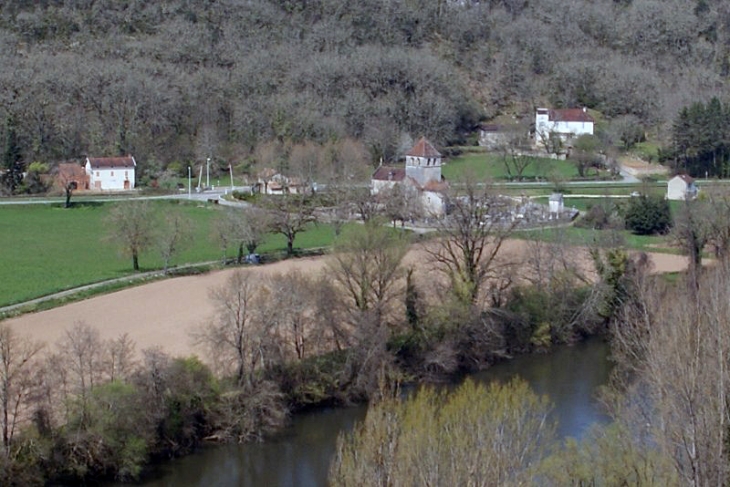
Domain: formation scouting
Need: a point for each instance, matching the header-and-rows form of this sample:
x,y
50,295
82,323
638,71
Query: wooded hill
x,y
244,81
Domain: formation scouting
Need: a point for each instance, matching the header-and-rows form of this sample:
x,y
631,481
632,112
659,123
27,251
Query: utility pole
x,y
190,176
207,173
230,169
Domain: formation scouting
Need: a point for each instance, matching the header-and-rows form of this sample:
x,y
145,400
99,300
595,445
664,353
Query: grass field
x,y
46,248
486,166
588,237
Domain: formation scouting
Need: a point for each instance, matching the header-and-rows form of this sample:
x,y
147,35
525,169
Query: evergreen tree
x,y
648,215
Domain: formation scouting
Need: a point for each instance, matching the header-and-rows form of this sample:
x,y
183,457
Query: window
x,y
126,174
112,173
97,174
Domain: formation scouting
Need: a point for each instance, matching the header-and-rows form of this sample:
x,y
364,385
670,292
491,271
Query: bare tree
x,y
174,234
119,357
18,377
289,215
471,238
516,143
367,266
367,204
238,338
290,311
81,350
246,228
692,231
400,203
131,226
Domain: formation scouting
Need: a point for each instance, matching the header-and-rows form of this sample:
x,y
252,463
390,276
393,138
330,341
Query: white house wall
x,y
380,185
543,128
433,203
110,178
676,189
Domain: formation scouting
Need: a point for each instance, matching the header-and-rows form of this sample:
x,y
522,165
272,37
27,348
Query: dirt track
x,y
163,313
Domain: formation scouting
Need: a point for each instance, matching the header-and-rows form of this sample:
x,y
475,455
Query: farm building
x,y
271,181
71,175
681,187
111,173
566,123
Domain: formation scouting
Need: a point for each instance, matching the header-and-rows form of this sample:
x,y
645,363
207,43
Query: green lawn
x,y
485,166
586,237
46,248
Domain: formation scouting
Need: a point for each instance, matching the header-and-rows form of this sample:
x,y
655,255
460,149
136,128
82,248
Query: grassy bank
x,y
46,248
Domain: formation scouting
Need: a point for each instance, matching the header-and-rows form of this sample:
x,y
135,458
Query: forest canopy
x,y
181,80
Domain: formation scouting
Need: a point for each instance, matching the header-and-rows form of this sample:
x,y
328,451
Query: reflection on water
x,y
300,456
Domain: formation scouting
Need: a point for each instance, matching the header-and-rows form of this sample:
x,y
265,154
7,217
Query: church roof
x,y
423,148
387,173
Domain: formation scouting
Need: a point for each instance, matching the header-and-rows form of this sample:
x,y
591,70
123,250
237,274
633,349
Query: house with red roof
x,y
422,174
111,173
567,123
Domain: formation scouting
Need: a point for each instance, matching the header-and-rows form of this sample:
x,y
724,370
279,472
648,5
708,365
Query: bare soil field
x,y
637,167
162,314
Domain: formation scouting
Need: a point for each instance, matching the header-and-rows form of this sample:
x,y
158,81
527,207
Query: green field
x,y
485,166
587,237
46,248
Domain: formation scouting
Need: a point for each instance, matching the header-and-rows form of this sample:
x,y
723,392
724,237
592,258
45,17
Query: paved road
x,y
86,198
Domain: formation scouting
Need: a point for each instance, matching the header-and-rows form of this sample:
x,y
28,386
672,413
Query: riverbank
x,y
300,454
164,313
243,394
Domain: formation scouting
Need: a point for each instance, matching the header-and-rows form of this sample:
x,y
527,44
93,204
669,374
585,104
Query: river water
x,y
300,456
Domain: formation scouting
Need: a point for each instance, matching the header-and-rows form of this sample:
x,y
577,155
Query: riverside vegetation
x,y
72,410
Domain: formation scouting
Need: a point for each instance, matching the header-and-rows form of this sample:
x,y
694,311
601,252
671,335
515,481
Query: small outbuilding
x,y
556,203
71,176
681,187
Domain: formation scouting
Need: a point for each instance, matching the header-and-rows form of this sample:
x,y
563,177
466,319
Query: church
x,y
422,173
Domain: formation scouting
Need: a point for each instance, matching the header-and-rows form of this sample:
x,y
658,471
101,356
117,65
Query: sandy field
x,y
163,313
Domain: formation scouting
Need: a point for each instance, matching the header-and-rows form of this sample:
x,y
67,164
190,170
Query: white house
x,y
566,123
111,173
422,173
681,187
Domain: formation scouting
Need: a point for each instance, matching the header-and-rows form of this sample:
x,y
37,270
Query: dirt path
x,y
163,313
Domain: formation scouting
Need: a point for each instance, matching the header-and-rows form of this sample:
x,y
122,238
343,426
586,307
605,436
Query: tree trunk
x,y
135,261
290,246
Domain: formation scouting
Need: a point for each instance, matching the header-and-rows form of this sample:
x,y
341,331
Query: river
x,y
300,455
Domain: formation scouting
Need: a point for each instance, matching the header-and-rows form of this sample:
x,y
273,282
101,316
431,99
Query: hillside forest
x,y
333,86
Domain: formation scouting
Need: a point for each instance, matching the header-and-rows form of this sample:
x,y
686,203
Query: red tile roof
x,y
686,178
569,115
71,170
436,186
387,173
106,162
423,148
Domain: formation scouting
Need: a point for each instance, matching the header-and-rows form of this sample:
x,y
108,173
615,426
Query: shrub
x,y
600,216
648,215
